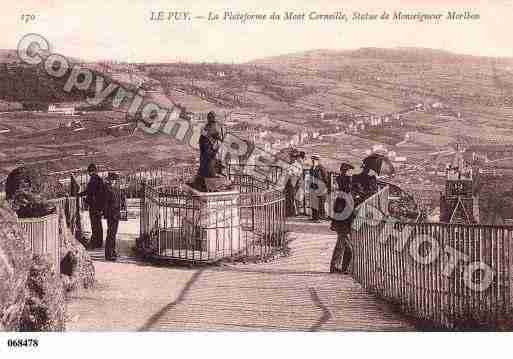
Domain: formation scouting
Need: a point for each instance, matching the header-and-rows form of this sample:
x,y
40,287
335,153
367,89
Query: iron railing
x,y
179,224
432,270
129,184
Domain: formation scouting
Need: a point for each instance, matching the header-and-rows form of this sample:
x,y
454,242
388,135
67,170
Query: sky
x,y
122,29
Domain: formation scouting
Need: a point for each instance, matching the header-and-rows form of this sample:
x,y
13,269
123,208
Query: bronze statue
x,y
210,177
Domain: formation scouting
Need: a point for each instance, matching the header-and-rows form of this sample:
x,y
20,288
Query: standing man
x,y
112,213
343,208
95,199
343,179
365,184
319,189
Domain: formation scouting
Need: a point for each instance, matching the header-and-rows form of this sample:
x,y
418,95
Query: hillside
x,y
414,72
463,99
32,88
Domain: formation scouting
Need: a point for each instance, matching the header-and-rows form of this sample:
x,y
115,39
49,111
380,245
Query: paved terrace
x,y
290,293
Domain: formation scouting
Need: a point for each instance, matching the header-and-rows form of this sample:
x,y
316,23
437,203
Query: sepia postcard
x,y
276,167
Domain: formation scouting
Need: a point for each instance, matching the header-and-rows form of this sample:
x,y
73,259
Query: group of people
x,y
103,199
319,183
348,192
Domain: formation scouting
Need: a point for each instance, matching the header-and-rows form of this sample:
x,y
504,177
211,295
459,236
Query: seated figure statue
x,y
210,176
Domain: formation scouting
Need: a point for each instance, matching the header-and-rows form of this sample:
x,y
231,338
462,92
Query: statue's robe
x,y
208,160
209,177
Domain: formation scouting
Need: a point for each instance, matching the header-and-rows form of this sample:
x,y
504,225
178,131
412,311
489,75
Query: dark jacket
x,y
339,205
344,183
365,185
112,209
319,172
94,192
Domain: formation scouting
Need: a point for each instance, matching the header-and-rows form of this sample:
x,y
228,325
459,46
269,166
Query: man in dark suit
x,y
94,197
364,183
112,213
343,209
320,186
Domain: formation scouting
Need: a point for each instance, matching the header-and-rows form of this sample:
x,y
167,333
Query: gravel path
x,y
290,293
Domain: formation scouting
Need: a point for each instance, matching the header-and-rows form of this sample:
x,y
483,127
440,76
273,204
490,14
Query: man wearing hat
x,y
343,179
95,199
320,185
343,207
112,213
365,184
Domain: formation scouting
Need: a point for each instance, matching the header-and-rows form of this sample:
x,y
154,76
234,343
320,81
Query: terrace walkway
x,y
289,293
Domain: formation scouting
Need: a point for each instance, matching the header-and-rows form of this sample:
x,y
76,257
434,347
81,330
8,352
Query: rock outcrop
x,y
15,262
77,267
28,189
38,181
45,305
32,295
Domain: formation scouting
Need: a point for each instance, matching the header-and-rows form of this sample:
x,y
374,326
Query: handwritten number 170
x,y
28,18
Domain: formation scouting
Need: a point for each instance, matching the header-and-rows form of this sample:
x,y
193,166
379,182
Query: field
x,y
464,100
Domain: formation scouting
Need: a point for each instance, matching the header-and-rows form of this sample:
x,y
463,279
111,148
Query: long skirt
x,y
290,205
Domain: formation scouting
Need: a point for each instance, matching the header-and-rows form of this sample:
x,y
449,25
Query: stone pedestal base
x,y
215,227
211,184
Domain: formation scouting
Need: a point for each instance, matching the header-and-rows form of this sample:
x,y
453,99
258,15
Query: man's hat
x,y
92,168
113,176
211,117
315,157
346,166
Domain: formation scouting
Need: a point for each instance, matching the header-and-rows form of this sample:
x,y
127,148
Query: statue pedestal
x,y
215,225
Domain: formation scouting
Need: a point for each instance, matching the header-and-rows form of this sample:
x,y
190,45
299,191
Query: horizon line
x,y
449,52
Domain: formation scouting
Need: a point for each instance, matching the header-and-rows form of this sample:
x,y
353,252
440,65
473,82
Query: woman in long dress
x,y
290,188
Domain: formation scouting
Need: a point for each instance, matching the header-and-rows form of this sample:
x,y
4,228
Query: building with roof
x,y
459,204
62,110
